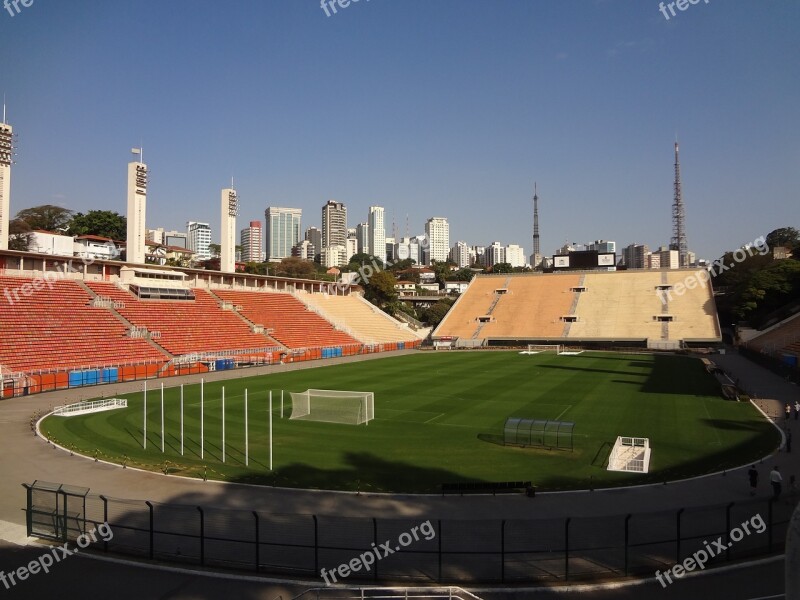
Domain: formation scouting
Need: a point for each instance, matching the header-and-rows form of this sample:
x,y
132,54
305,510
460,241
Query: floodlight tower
x,y
535,220
137,205
679,217
229,208
6,154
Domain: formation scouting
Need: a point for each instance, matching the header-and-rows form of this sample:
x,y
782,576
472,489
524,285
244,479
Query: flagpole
x,y
144,441
181,419
162,418
202,451
270,430
246,437
223,423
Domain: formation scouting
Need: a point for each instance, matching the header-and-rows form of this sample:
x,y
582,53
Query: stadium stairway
x,y
124,321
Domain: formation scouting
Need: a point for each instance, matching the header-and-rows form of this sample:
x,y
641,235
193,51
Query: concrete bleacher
x,y
186,326
532,307
461,321
613,306
287,319
783,338
56,327
618,306
365,322
694,310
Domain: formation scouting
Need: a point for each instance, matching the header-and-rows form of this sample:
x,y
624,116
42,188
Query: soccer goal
x,y
333,406
630,454
539,348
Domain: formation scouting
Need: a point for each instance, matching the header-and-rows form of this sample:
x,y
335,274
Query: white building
x,y
515,255
377,233
45,242
199,236
495,253
252,241
229,210
460,254
667,259
304,250
95,247
408,248
603,246
437,230
334,256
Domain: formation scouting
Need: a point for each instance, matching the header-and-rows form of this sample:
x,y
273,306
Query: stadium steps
x,y
250,323
359,318
125,321
784,337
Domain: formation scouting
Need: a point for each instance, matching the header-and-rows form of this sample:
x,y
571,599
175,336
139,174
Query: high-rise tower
x,y
229,210
535,221
678,217
137,206
6,153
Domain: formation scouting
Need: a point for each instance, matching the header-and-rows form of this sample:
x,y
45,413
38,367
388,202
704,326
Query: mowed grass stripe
x,y
431,411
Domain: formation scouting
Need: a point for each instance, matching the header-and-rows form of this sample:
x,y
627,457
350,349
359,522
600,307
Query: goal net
x,y
630,454
333,406
539,348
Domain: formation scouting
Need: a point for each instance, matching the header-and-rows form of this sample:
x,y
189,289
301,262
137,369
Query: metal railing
x,y
543,551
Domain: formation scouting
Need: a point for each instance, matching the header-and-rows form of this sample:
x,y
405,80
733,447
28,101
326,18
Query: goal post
x,y
539,348
333,406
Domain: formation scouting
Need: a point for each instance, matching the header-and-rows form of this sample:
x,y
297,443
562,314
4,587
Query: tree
x,y
104,223
214,250
380,290
47,217
362,259
402,265
462,275
255,268
434,315
442,270
502,268
784,236
296,267
19,235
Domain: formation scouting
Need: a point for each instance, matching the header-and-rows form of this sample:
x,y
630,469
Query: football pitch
x,y
436,416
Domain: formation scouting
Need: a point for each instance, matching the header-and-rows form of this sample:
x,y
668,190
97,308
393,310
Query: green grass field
x,y
433,413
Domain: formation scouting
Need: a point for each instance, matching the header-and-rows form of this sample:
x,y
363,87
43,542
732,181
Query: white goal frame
x,y
539,348
334,406
630,454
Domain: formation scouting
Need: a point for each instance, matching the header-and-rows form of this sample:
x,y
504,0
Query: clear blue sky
x,y
427,107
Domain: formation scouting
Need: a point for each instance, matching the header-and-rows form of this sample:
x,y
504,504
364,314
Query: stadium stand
x,y
56,327
360,318
639,307
532,307
783,338
286,319
185,326
694,311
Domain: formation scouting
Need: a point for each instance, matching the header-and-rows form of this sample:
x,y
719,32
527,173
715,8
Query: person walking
x,y
788,409
752,474
775,479
796,409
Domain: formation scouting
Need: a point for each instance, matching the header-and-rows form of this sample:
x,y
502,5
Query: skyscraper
x,y
679,242
252,242
460,255
437,230
6,152
282,231
314,235
199,235
362,237
377,233
334,224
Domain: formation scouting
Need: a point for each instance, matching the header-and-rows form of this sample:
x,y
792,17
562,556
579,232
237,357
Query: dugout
x,y
538,433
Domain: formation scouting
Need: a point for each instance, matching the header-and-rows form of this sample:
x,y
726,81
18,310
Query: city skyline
x,y
449,129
